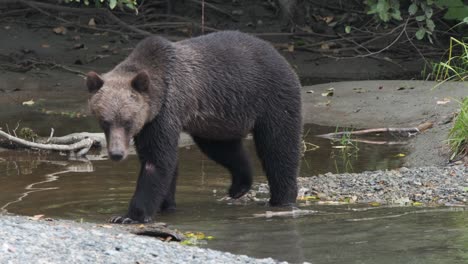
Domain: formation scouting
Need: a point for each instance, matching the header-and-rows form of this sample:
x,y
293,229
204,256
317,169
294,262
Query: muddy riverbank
x,y
383,104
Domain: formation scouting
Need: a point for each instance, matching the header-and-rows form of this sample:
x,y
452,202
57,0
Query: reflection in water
x,y
56,187
30,188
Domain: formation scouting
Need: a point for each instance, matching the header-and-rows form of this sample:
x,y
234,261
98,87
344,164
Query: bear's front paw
x,y
127,220
237,190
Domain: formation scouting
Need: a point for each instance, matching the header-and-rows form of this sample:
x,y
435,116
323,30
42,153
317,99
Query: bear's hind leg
x,y
278,147
231,155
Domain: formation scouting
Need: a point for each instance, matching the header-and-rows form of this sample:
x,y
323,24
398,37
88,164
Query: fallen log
x,y
407,131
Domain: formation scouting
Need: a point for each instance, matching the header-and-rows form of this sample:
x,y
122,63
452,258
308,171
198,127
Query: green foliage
x,y
345,151
456,68
384,9
456,65
458,136
132,4
421,10
27,133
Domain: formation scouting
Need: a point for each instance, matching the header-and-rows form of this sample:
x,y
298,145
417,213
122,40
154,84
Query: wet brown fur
x,y
218,88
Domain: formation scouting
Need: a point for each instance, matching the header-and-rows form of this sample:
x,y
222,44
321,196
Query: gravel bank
x,y
427,185
30,241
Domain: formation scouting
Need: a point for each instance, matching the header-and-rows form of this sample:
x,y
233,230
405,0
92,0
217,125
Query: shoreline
x,y
23,240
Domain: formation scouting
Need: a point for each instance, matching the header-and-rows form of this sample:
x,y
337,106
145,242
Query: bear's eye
x,y
127,125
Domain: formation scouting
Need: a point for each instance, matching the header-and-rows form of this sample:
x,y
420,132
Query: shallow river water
x,y
52,185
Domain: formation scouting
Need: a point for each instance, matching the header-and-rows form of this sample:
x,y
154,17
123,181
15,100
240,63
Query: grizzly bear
x,y
218,88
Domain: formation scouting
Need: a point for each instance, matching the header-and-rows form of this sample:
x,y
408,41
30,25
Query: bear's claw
x,y
122,220
237,191
127,220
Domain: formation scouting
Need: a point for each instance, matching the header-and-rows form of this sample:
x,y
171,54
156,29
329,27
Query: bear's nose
x,y
116,155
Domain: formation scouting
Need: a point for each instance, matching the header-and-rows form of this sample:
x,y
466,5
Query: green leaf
x,y
420,33
465,20
397,15
384,16
413,8
423,6
347,29
112,4
430,25
429,12
420,18
382,6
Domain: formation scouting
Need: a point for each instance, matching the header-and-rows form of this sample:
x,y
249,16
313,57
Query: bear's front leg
x,y
156,183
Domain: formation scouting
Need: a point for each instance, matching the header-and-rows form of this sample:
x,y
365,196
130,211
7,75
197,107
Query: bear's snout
x,y
118,145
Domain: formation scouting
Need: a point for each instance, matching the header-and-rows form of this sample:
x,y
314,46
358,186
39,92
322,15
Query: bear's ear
x,y
141,81
94,82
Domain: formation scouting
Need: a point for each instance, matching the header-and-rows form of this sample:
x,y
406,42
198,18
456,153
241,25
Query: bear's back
x,y
234,46
236,78
242,60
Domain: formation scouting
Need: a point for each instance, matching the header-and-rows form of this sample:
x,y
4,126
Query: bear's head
x,y
121,103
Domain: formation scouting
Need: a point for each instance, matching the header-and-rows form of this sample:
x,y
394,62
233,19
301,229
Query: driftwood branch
x,y
81,147
408,131
98,138
79,143
378,142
